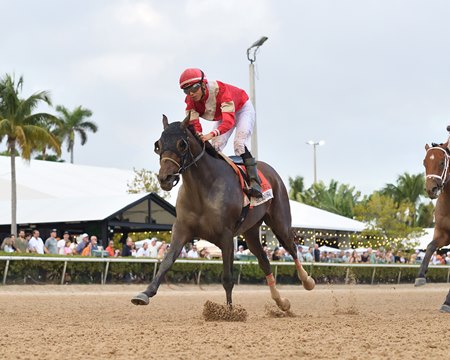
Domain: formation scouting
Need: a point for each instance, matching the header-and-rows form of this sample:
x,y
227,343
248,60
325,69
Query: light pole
x,y
251,56
315,144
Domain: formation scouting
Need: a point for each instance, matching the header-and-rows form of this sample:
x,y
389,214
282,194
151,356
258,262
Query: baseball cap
x,y
66,232
54,230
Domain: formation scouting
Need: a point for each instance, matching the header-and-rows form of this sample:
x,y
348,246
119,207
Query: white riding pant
x,y
245,120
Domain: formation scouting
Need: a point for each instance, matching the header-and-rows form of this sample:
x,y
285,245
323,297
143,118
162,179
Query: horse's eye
x,y
157,147
182,145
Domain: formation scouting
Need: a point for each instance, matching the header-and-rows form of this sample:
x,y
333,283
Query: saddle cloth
x,y
236,163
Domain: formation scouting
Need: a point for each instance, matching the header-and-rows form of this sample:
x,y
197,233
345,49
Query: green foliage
x,y
73,123
145,181
32,272
296,188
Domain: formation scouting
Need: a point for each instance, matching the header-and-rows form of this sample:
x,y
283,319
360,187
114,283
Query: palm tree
x,y
72,123
22,129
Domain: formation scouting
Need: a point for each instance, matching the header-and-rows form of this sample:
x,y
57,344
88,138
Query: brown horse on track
x,y
437,185
209,206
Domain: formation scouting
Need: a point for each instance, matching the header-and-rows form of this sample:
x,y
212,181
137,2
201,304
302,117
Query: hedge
x,y
49,272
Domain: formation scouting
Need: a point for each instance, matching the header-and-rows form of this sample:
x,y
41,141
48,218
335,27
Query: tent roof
x,y
38,179
61,192
309,217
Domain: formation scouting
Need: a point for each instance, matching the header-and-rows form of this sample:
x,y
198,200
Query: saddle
x,y
237,165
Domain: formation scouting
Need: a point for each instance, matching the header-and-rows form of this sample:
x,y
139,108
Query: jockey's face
x,y
195,93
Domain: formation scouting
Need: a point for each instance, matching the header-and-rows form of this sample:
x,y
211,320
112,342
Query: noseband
x,y
183,166
444,176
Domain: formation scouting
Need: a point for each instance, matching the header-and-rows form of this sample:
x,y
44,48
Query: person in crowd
x,y
204,254
162,250
316,253
61,244
83,243
90,247
153,247
8,245
276,255
365,257
300,253
36,245
372,256
192,253
309,255
51,244
128,247
21,242
112,252
68,250
447,258
230,109
143,251
240,250
354,258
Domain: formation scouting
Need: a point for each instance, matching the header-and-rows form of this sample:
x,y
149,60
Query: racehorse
x,y
209,206
437,185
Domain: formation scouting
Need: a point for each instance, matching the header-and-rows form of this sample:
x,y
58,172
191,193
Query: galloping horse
x,y
209,206
437,185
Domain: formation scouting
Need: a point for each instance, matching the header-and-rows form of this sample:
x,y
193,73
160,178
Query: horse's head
x,y
174,150
436,164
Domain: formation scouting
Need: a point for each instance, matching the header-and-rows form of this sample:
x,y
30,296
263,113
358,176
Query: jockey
x,y
229,107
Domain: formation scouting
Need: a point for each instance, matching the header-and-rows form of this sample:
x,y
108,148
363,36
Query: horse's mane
x,y
442,145
208,147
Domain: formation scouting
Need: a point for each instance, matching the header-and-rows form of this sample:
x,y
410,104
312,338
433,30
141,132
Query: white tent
x,y
309,217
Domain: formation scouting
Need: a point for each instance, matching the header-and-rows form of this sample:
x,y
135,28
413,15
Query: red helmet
x,y
190,77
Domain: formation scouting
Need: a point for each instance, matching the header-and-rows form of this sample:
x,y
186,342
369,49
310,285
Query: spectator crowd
x,y
86,245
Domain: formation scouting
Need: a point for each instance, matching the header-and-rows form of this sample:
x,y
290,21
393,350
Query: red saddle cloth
x,y
266,188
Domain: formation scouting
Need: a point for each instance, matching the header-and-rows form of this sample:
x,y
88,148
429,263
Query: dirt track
x,y
331,322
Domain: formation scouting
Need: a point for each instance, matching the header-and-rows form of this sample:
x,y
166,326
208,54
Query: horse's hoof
x,y
284,304
420,282
140,299
445,308
309,284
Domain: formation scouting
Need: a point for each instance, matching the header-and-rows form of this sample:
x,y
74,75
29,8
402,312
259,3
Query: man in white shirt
x,y
61,244
153,247
192,253
36,245
143,251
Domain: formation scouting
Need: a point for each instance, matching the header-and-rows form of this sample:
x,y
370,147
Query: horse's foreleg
x,y
431,248
174,251
282,303
307,281
227,275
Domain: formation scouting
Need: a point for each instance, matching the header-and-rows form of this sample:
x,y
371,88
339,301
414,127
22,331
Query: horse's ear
x,y
185,122
427,146
165,121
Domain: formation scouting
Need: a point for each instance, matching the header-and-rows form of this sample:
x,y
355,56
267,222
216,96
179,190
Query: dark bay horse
x,y
209,206
437,185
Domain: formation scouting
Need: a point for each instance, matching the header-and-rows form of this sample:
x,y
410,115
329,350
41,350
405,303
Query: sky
x,y
369,78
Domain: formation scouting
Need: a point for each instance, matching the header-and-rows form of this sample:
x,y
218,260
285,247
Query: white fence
x,y
107,261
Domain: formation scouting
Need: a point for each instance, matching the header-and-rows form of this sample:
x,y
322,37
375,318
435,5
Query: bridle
x,y
444,176
182,166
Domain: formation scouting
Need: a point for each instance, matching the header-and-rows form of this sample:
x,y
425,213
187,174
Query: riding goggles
x,y
192,88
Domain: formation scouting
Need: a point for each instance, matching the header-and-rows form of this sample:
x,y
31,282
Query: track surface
x,y
331,322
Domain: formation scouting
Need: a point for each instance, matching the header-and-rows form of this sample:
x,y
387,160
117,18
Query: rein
x,y
444,176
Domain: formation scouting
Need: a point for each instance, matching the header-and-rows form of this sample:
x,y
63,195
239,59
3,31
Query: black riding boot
x,y
252,172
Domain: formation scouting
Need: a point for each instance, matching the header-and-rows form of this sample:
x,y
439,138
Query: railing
x,y
107,261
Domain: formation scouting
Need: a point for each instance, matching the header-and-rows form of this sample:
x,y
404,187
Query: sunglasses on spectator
x,y
192,88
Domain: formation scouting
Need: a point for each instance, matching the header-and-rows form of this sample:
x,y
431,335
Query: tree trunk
x,y
71,154
12,148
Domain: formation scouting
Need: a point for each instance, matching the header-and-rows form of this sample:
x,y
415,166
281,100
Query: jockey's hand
x,y
207,137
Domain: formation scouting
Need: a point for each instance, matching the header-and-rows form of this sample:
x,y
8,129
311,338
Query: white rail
x,y
108,260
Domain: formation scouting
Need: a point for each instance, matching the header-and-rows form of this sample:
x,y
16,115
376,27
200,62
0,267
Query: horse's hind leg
x,y
285,236
446,305
254,245
431,248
